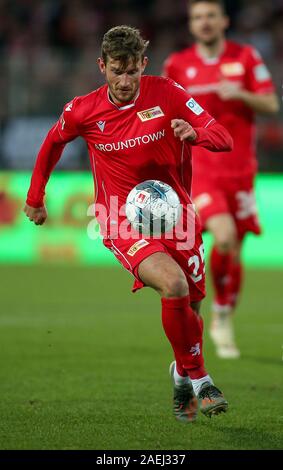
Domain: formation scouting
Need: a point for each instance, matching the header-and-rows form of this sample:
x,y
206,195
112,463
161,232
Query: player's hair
x,y
216,2
123,43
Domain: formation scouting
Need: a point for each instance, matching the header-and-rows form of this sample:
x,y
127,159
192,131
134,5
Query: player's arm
x,y
258,92
191,122
50,152
264,103
214,138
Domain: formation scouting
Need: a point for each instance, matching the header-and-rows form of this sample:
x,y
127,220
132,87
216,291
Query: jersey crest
x,y
151,113
232,68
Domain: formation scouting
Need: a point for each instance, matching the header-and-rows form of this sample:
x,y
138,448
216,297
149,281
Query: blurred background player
x,y
231,81
108,119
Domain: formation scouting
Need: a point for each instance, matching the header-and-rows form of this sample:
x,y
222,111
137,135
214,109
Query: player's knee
x,y
225,243
176,286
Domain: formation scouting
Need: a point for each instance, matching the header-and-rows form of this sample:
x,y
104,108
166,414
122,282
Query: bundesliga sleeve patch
x,y
261,73
194,106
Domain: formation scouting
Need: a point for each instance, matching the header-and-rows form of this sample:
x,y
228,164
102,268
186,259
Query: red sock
x,y
220,272
200,319
236,276
183,328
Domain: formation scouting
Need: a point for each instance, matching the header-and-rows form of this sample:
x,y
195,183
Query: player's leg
x,y
184,329
244,211
224,232
210,398
240,199
225,272
213,206
180,322
236,275
153,265
163,274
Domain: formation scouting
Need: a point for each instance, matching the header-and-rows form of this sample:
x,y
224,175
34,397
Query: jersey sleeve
x,y
210,134
258,77
63,131
67,125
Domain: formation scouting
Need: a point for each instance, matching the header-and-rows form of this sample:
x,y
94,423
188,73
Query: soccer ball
x,y
153,207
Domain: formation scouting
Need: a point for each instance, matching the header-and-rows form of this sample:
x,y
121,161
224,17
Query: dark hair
x,y
216,2
123,43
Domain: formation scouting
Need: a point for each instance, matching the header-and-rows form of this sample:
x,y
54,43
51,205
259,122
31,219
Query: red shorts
x,y
222,195
131,252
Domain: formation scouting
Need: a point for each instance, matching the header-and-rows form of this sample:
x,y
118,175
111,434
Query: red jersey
x,y
131,143
243,65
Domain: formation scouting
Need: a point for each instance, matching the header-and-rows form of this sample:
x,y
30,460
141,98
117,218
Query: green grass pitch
x,y
84,365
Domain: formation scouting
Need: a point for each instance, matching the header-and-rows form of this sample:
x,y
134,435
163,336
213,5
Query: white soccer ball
x,y
153,207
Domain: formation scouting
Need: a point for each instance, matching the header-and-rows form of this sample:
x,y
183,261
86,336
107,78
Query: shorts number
x,y
246,204
197,261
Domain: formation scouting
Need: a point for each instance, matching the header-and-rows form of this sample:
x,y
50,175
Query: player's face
x,y
207,22
123,82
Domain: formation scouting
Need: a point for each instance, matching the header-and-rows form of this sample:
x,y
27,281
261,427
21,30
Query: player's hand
x,y
183,130
228,90
38,215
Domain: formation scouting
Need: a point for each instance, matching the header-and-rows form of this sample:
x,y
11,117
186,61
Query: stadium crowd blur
x,y
48,51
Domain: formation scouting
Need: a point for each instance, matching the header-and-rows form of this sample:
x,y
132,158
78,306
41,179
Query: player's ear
x,y
101,65
226,22
144,63
190,26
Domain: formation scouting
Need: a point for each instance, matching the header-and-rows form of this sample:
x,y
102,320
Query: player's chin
x,y
125,98
209,39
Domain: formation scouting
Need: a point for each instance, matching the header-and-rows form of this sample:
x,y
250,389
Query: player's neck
x,y
211,51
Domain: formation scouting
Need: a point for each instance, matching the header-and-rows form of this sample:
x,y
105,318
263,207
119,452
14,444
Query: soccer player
x,y
138,128
232,83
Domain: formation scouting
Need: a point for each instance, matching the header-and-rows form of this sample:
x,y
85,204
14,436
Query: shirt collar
x,y
131,104
211,60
